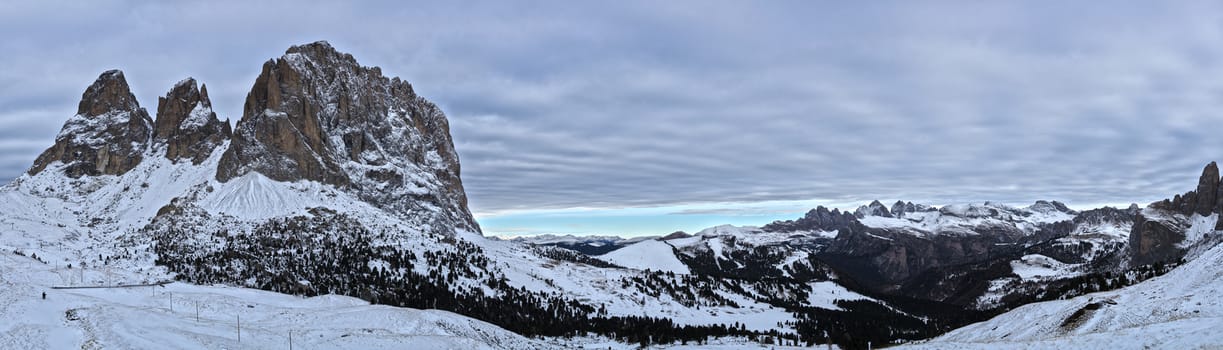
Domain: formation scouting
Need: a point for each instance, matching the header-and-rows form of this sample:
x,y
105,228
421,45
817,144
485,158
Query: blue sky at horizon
x,y
658,221
646,117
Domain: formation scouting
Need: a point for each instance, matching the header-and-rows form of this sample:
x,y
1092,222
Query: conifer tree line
x,y
333,254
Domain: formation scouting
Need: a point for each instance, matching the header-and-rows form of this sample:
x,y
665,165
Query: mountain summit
x,y
316,114
186,123
107,136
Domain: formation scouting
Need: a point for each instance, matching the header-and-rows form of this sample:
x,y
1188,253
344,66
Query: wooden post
x,y
197,311
239,328
171,302
290,339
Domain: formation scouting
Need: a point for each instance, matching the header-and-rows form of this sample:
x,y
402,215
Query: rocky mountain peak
x,y
316,114
1207,191
108,93
818,219
186,124
1043,206
675,235
319,51
107,136
1160,235
900,208
875,208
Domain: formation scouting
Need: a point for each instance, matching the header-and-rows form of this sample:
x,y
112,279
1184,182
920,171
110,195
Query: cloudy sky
x,y
648,117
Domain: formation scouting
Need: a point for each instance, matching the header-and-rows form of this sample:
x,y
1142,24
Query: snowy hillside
x,y
63,218
647,255
607,286
185,316
1182,309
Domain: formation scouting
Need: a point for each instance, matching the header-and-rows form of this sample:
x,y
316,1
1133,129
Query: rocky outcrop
x,y
1207,191
1050,207
883,259
315,114
108,135
1155,239
1107,215
186,124
818,219
900,208
1158,233
1203,200
873,209
675,235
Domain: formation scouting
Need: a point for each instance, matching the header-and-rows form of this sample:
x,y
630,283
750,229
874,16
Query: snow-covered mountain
x,y
338,180
979,256
316,114
590,245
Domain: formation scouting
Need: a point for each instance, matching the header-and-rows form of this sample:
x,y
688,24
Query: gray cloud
x,y
556,105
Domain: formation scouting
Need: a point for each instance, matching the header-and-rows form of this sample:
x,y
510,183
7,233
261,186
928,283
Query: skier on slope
x,y
44,295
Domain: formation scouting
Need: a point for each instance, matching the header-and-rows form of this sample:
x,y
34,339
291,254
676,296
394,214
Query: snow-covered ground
x,y
600,286
1036,266
1182,309
648,254
166,317
825,294
726,343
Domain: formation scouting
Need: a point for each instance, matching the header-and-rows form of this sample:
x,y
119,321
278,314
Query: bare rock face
x,y
315,114
818,219
186,124
873,209
885,258
1158,235
1208,186
108,135
900,208
1219,206
1155,240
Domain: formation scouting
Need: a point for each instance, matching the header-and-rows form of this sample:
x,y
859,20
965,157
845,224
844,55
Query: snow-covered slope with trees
x,y
1182,309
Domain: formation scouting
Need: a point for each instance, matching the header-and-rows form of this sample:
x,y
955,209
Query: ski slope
x,y
648,254
166,317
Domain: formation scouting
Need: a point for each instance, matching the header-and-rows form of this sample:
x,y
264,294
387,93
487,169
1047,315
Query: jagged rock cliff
x,y
818,219
1159,232
107,136
316,114
186,124
313,115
